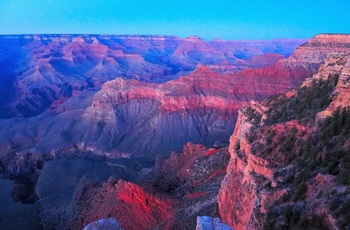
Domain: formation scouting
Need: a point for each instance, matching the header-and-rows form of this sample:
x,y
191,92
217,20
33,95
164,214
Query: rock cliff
x,y
283,153
238,194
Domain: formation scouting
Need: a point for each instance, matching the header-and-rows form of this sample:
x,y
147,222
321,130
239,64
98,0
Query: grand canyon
x,y
162,132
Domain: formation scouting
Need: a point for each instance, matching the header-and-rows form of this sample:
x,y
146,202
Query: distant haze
x,y
227,19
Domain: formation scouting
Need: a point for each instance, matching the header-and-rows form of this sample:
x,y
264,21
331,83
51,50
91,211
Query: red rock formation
x,y
238,189
195,91
331,40
256,180
133,206
136,209
240,167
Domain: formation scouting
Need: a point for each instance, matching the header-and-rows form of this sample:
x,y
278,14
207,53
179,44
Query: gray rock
x,y
210,223
104,224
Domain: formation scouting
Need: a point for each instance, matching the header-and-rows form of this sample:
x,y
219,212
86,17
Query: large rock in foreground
x,y
210,223
104,224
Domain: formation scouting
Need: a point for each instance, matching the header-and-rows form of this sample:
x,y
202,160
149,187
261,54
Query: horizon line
x,y
156,35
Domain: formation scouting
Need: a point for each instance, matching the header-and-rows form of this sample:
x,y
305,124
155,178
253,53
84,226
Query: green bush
x,y
304,104
300,192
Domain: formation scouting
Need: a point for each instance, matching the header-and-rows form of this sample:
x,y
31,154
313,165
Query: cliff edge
x,y
289,165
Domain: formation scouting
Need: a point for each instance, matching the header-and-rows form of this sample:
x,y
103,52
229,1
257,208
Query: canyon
x,y
133,118
119,116
43,70
131,108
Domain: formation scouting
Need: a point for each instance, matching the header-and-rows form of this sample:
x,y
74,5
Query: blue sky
x,y
245,19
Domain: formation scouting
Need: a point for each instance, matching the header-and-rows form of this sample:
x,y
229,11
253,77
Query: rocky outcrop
x,y
192,92
133,206
150,211
337,64
179,189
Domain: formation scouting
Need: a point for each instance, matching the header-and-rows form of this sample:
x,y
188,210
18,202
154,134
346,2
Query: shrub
x,y
304,104
300,192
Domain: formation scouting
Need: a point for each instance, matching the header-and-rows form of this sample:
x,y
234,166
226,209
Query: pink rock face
x,y
237,196
211,98
237,193
196,91
137,209
132,205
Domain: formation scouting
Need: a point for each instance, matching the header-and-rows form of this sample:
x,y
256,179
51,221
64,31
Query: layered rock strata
x,y
41,70
258,191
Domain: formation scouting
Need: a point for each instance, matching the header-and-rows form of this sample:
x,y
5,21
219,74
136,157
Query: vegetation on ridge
x,y
304,105
289,136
